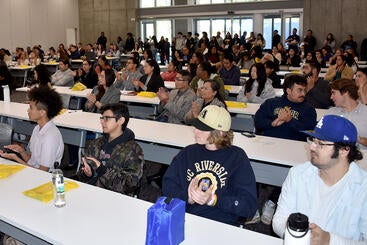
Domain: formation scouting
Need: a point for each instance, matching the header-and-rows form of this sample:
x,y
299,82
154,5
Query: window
x,y
219,25
154,3
203,25
164,28
290,23
271,23
247,25
235,25
147,29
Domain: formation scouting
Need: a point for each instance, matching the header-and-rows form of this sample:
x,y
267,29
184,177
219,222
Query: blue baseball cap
x,y
335,129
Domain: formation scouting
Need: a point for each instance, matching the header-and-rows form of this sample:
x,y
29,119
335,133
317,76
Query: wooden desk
x,y
116,218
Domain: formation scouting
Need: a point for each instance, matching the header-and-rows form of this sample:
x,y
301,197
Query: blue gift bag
x,y
166,222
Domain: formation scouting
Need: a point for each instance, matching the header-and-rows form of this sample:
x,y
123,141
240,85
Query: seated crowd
x,y
201,69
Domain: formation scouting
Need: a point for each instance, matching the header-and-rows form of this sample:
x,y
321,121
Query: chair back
x,y
6,134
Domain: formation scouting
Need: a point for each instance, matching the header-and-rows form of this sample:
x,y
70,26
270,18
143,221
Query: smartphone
x,y
206,185
7,150
248,134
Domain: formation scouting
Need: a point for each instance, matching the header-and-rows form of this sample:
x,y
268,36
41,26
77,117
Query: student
x,y
230,73
214,177
330,189
63,76
344,93
46,145
130,74
317,89
152,79
174,105
258,88
285,116
209,95
114,161
103,93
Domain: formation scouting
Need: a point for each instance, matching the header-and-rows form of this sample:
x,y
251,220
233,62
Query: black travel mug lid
x,y
298,222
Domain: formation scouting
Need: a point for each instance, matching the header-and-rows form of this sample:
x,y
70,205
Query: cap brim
x,y
312,133
201,126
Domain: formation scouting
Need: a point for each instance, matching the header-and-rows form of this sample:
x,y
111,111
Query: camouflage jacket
x,y
122,171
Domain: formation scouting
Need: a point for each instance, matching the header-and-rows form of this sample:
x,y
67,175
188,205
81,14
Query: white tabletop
x,y
274,150
295,72
63,90
116,218
21,67
139,99
50,63
112,58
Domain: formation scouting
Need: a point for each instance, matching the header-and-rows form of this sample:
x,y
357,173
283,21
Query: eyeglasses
x,y
106,118
318,143
179,79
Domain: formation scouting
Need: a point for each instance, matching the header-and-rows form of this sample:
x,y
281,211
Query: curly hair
x,y
46,99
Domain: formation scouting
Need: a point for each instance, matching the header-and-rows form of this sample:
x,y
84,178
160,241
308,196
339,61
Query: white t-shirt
x,y
46,146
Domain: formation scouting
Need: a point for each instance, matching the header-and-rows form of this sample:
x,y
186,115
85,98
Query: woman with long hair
x,y
340,70
41,76
152,79
104,93
258,88
209,95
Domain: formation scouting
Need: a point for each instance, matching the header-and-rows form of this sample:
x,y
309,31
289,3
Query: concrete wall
x,y
114,17
340,17
26,23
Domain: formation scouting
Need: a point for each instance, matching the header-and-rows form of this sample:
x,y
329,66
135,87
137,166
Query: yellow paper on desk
x,y
227,87
7,169
244,71
78,87
62,111
147,94
44,192
296,72
24,66
236,104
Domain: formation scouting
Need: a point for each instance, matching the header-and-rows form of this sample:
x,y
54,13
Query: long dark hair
x,y
214,84
261,79
110,78
154,64
43,75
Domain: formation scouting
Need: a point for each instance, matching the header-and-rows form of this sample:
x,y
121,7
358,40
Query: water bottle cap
x,y
298,222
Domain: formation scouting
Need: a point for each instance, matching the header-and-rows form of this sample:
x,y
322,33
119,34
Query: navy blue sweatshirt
x,y
303,118
230,172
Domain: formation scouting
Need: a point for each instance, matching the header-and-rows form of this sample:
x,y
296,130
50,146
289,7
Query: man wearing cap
x,y
331,189
344,93
214,177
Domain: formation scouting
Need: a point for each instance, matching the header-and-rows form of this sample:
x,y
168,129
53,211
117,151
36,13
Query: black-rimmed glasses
x,y
106,118
318,143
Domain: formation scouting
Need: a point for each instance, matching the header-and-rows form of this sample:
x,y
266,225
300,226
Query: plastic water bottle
x,y
297,231
6,92
58,188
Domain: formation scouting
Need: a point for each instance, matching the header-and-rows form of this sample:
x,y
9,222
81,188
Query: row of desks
x,y
271,158
106,218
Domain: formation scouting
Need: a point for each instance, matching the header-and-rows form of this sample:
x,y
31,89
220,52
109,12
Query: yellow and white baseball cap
x,y
213,117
